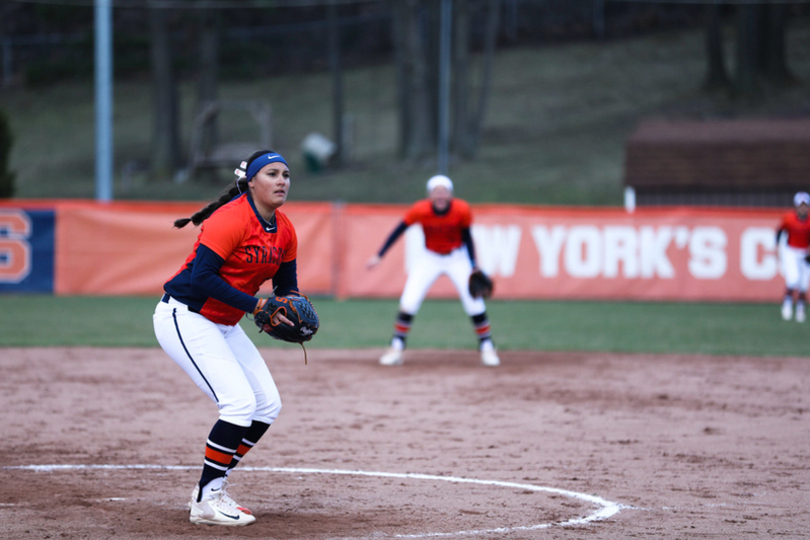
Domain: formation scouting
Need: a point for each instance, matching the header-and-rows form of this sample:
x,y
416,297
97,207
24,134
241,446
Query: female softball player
x,y
244,241
450,250
793,253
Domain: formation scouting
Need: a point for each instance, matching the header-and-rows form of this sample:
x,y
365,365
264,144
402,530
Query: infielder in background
x,y
244,241
450,250
793,254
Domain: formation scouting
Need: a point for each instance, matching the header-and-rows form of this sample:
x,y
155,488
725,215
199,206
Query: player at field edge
x,y
244,240
449,250
793,255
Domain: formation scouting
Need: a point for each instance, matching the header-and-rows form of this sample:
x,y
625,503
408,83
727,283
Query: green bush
x,y
6,177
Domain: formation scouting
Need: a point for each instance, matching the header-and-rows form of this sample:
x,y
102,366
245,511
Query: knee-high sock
x,y
222,443
402,326
252,436
482,327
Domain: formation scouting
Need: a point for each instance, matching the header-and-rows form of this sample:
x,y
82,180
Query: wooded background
x,y
171,41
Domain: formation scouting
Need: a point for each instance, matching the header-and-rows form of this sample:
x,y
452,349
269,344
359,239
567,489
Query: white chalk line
x,y
606,509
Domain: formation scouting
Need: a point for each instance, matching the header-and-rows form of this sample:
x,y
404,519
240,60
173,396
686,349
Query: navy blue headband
x,y
265,159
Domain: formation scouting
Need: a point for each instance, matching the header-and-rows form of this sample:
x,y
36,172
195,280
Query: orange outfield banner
x,y
667,253
586,253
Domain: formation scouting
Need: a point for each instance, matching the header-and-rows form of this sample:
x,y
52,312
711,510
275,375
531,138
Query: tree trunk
x,y
462,86
421,136
490,42
336,67
400,12
748,34
773,63
165,139
717,76
209,73
431,56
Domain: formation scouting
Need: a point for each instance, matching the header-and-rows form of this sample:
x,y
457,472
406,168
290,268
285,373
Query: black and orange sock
x,y
482,327
222,444
402,326
252,436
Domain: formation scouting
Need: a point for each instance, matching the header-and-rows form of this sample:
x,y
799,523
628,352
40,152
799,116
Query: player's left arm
x,y
285,282
393,237
205,279
466,237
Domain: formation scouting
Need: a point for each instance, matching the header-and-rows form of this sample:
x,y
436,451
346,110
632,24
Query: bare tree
x,y
416,43
416,120
717,75
336,67
208,76
469,114
773,52
761,53
165,147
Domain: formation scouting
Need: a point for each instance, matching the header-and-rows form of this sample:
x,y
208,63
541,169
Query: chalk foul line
x,y
604,509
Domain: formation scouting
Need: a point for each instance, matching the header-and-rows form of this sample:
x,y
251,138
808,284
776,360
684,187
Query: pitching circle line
x,y
606,509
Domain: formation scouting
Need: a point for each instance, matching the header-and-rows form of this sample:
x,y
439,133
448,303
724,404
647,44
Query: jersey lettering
x,y
263,254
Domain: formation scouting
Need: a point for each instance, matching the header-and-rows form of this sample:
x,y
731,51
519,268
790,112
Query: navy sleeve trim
x,y
285,281
466,237
395,234
206,281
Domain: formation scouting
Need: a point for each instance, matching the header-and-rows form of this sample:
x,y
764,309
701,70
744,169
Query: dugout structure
x,y
719,162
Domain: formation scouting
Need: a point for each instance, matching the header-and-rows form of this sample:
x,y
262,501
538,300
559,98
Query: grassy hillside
x,y
720,329
555,129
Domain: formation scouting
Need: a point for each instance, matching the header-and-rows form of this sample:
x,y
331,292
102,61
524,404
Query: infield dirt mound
x,y
691,447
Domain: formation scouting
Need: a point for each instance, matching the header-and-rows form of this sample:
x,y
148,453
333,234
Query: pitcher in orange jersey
x,y
793,254
244,241
450,251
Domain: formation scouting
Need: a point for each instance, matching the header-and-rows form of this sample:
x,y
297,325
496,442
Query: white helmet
x,y
439,180
801,197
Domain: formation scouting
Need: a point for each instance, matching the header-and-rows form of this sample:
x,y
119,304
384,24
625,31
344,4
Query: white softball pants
x,y
222,361
424,272
795,268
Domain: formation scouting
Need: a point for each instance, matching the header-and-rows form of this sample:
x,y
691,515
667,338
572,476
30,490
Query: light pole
x,y
446,22
103,80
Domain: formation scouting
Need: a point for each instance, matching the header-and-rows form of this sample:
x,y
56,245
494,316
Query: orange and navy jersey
x,y
443,232
235,253
798,230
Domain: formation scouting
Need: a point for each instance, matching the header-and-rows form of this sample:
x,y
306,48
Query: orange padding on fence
x,y
531,252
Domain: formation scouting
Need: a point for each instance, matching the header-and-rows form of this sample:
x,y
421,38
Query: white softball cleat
x,y
787,311
218,510
196,492
392,357
800,313
490,358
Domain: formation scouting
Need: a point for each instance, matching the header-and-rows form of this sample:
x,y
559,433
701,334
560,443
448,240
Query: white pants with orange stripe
x,y
795,268
456,265
221,360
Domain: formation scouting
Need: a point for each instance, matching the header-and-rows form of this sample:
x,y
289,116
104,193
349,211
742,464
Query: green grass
x,y
685,328
555,128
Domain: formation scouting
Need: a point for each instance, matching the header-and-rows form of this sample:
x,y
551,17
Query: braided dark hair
x,y
240,185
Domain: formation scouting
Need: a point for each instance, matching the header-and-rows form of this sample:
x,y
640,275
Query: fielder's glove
x,y
480,285
297,309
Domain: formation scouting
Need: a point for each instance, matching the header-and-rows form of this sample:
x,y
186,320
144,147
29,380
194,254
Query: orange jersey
x,y
798,230
251,256
442,232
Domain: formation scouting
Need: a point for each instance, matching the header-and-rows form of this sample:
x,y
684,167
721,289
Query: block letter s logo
x,y
15,251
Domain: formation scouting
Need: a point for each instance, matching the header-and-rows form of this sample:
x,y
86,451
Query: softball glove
x,y
297,309
480,285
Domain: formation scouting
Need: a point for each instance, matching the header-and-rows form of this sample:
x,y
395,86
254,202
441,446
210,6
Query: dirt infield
x,y
664,446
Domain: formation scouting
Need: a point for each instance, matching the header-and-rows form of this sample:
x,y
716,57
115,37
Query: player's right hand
x,y
374,261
